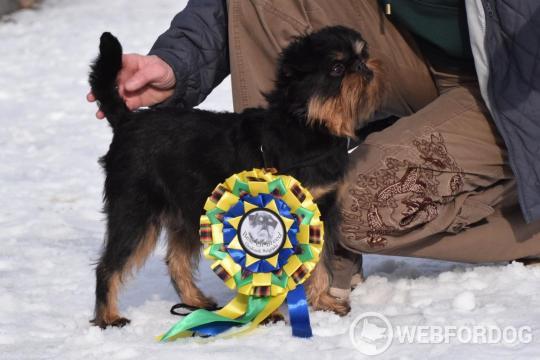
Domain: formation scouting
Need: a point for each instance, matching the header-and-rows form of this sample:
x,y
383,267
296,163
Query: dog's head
x,y
262,226
328,79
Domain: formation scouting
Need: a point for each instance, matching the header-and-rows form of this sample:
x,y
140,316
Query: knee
x,y
352,225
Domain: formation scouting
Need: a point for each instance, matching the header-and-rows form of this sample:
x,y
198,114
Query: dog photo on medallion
x,y
262,233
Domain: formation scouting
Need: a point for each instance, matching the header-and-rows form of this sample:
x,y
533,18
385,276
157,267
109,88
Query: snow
x,y
52,227
465,301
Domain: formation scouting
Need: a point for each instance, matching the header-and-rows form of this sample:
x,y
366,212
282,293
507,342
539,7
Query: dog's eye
x,y
337,69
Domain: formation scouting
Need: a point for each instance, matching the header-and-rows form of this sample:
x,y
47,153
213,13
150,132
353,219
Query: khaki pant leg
x,y
439,172
260,29
502,236
344,264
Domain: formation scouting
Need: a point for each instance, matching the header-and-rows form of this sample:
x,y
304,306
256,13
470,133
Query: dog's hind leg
x,y
183,253
131,237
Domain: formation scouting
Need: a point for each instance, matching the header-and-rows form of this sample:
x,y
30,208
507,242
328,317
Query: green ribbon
x,y
204,317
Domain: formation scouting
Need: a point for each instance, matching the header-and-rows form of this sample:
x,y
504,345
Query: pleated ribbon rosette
x,y
264,233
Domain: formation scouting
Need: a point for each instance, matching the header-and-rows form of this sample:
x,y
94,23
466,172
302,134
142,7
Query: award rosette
x,y
264,233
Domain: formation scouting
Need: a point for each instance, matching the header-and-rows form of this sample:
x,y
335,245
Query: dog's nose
x,y
362,68
368,74
359,66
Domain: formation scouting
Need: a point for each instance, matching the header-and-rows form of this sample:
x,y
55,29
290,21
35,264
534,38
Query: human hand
x,y
142,81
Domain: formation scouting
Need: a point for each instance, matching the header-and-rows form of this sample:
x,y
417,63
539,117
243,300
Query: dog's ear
x,y
290,71
252,219
293,58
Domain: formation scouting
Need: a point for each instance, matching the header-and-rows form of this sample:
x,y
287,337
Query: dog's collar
x,y
309,161
352,144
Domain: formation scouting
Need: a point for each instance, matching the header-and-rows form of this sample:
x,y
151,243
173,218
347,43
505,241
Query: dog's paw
x,y
341,308
273,318
326,302
211,305
338,307
203,302
118,322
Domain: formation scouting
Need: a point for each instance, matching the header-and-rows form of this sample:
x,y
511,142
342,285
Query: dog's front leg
x,y
318,285
317,288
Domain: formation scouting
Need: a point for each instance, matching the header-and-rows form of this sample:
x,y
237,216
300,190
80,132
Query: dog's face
x,y
262,227
328,79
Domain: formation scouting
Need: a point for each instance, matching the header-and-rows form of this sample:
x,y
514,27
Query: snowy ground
x,y
52,228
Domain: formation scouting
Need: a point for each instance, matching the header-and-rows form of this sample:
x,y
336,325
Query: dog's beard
x,y
357,101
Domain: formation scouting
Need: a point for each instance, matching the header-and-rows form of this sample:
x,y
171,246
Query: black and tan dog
x,y
163,162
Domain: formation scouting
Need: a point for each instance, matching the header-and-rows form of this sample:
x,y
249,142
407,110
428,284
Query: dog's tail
x,y
102,80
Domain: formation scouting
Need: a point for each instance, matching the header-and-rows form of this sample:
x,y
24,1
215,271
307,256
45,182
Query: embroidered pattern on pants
x,y
403,195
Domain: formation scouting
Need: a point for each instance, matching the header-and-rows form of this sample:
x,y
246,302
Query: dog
x,y
164,162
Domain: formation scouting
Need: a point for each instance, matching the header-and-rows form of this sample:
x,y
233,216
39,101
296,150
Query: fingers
x,y
90,97
139,80
167,79
130,65
130,60
150,71
142,81
133,75
134,102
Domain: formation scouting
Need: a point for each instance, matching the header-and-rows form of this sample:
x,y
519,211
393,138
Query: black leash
x,y
188,309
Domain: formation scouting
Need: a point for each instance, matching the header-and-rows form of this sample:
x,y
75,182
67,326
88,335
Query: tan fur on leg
x,y
317,292
108,314
182,263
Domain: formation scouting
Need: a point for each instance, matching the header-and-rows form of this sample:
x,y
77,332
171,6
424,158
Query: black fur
x,y
163,163
103,79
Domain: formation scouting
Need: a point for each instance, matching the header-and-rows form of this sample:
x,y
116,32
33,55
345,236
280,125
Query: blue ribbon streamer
x,y
298,312
214,328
